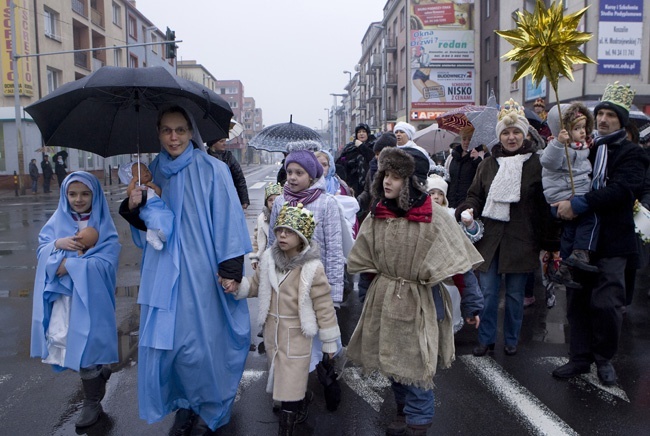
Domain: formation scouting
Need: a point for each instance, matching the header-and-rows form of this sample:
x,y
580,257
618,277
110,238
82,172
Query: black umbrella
x,y
328,377
114,110
285,137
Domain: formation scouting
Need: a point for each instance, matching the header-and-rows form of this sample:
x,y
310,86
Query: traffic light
x,y
170,46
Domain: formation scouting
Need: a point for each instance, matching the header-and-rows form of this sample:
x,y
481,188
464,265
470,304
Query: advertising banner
x,y
620,32
442,88
23,47
441,50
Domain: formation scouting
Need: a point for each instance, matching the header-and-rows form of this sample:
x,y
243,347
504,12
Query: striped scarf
x,y
305,196
599,177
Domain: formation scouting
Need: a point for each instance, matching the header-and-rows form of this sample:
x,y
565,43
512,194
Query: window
x,y
402,19
133,27
117,57
487,8
53,79
117,15
487,89
154,47
133,61
514,86
51,24
402,60
487,49
233,104
402,97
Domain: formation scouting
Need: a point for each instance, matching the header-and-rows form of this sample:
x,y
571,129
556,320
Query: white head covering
x,y
434,181
406,128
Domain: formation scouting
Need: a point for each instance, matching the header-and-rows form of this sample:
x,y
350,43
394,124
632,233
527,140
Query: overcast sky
x,y
289,54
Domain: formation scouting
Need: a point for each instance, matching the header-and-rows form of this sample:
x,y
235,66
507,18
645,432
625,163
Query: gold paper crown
x,y
298,219
511,107
272,189
619,95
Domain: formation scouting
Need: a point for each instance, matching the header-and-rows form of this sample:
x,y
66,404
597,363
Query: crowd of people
x,y
420,244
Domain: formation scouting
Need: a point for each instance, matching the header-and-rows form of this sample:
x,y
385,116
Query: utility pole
x,y
18,117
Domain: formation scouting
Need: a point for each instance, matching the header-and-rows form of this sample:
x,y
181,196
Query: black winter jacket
x,y
353,164
235,170
461,173
626,168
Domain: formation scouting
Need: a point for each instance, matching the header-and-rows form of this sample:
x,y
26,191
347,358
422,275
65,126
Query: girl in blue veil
x,y
73,314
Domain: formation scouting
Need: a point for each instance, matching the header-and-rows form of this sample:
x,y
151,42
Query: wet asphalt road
x,y
488,396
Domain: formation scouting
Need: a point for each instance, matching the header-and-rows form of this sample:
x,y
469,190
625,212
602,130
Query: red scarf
x,y
418,214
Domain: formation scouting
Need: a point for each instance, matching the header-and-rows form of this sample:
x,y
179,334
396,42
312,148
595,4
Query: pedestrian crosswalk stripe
x,y
532,413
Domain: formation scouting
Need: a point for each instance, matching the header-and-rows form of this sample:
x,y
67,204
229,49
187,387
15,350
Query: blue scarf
x,y
333,184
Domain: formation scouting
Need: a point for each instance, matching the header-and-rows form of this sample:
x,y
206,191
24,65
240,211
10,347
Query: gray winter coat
x,y
555,172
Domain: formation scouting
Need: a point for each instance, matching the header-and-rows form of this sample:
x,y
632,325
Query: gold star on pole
x,y
546,44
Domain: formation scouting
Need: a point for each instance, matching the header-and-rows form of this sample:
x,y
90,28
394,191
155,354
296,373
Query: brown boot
x,y
417,429
580,259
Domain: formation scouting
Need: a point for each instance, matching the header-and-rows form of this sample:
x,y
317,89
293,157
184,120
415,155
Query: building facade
x,y
426,57
65,34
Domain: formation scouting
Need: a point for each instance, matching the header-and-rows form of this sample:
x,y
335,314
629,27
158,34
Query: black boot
x,y
94,391
303,413
287,423
398,425
200,427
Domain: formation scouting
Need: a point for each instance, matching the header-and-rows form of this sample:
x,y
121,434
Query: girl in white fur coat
x,y
294,305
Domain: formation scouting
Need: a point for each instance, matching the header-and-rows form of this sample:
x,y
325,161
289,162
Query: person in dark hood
x,y
354,160
217,148
60,169
48,173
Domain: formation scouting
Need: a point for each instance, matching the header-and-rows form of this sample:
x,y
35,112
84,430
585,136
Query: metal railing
x,y
97,17
81,60
79,7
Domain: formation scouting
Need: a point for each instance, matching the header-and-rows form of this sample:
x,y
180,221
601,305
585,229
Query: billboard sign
x,y
620,33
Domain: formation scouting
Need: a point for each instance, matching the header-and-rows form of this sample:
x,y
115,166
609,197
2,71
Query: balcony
x,y
362,80
391,80
375,93
81,60
97,17
391,43
375,61
79,7
97,63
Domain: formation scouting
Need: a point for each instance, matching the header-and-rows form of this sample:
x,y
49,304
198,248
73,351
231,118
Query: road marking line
x,y
591,378
249,377
258,185
531,412
5,377
366,386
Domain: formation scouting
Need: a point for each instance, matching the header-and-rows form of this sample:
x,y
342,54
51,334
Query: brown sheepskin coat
x,y
294,305
398,333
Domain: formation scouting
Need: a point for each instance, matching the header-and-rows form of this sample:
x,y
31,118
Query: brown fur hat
x,y
401,163
576,112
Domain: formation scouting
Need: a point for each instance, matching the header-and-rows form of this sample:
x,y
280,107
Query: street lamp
x,y
336,121
349,73
321,125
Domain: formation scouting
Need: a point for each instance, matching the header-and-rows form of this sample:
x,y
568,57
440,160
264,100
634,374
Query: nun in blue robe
x,y
194,338
90,283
